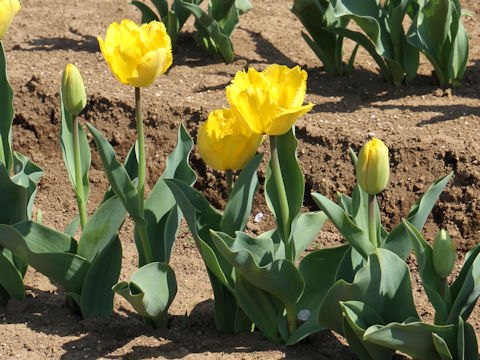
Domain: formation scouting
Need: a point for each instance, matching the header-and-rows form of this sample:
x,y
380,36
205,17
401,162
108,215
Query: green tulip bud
x,y
443,254
373,167
73,90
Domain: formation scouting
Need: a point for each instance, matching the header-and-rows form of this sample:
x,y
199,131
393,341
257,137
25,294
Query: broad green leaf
x,y
239,204
293,181
27,174
357,318
201,217
173,28
467,264
47,251
349,265
458,60
441,347
67,145
101,228
351,232
73,226
161,214
150,290
131,165
11,280
279,278
211,30
14,199
304,230
430,280
162,8
467,345
147,14
260,307
117,176
383,284
414,339
467,295
97,294
318,271
398,240
6,115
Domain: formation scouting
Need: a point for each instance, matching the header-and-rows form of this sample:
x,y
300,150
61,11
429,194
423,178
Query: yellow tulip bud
x,y
8,9
225,143
137,55
269,102
73,91
373,168
444,254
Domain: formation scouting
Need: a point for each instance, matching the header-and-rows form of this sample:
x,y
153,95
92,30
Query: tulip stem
x,y
282,195
229,176
372,229
142,231
79,191
443,288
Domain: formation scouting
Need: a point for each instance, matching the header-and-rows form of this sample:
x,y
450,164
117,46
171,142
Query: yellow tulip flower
x,y
136,54
269,102
224,142
373,167
8,9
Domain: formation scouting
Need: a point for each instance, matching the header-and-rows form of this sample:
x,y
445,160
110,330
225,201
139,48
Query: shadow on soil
x,y
102,337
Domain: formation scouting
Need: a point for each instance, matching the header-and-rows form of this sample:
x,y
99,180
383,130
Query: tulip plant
x,y
137,55
215,27
173,18
372,278
255,280
18,191
319,20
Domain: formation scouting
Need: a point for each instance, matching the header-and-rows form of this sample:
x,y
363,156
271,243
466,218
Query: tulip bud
x,y
373,168
443,254
73,90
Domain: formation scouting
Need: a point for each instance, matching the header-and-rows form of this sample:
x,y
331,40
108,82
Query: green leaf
x,y
260,306
304,230
349,230
201,218
117,176
357,318
14,199
211,30
27,174
239,204
11,280
6,115
398,241
467,295
430,280
162,7
161,214
383,284
67,145
414,339
131,165
324,262
101,228
151,290
292,179
279,278
46,250
73,226
470,257
147,14
97,294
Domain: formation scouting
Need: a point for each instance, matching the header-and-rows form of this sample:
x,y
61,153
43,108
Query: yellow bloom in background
x,y
225,143
373,167
8,9
269,102
136,54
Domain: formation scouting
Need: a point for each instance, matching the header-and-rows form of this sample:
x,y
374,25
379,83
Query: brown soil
x,y
430,131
